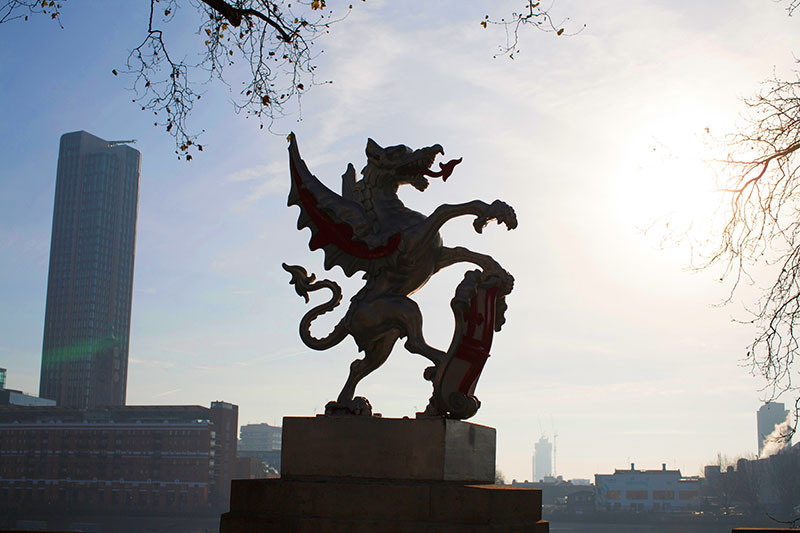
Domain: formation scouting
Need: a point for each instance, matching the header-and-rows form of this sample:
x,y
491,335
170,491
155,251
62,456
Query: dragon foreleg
x,y
490,267
483,212
451,256
305,283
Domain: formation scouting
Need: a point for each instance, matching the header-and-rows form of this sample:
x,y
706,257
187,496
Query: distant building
x,y
90,279
766,485
542,459
259,437
581,501
253,468
768,416
262,442
646,490
148,459
555,491
16,397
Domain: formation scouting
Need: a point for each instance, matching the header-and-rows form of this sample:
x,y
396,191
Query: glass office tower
x,y
90,283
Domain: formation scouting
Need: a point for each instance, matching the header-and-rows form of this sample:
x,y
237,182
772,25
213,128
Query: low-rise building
x,y
581,501
260,437
555,491
646,490
262,442
165,459
16,397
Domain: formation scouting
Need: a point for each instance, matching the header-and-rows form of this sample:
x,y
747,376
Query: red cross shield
x,y
474,308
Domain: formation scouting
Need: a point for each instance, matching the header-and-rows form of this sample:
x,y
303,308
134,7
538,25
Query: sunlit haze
x,y
597,140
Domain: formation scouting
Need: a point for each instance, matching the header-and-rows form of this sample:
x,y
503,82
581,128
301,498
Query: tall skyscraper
x,y
90,283
768,416
542,459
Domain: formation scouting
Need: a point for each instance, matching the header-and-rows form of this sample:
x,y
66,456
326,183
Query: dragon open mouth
x,y
421,167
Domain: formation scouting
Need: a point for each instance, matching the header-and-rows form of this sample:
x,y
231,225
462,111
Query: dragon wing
x,y
339,225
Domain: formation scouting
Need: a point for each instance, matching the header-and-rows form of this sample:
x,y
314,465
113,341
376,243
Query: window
x,y
636,494
663,494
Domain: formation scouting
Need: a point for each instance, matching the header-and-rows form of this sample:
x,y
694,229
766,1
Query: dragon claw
x,y
498,211
358,406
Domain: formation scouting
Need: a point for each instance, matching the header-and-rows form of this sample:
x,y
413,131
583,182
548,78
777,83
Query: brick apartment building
x,y
149,459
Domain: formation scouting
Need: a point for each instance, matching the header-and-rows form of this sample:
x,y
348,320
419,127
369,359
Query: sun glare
x,y
665,180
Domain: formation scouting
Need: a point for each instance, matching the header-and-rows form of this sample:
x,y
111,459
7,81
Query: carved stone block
x,y
369,506
430,449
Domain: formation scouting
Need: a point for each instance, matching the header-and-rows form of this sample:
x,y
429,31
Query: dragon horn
x,y
374,150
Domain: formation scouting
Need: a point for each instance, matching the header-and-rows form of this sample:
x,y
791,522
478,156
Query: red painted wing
x,y
339,226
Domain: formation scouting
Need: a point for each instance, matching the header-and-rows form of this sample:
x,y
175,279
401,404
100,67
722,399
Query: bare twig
x,y
763,226
274,43
273,40
20,9
533,15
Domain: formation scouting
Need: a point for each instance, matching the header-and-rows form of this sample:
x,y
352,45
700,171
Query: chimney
x,y
632,468
663,467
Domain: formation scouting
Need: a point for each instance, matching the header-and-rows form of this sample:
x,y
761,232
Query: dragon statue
x,y
368,229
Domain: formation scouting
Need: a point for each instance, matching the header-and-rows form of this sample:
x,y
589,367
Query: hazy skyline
x,y
590,138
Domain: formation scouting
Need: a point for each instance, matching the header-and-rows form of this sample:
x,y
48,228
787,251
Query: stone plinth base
x,y
762,530
379,506
429,449
369,474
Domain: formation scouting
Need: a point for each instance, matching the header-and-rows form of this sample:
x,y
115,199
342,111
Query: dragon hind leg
x,y
416,344
402,313
374,357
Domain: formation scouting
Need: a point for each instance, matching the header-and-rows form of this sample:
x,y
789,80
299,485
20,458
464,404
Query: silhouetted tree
x,y
275,40
784,471
763,224
747,485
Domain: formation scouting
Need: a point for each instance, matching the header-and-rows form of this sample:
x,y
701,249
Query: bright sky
x,y
609,340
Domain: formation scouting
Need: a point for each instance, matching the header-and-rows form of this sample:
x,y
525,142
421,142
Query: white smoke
x,y
778,439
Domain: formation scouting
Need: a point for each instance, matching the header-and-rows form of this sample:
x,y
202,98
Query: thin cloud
x,y
272,357
255,173
147,290
167,393
242,291
265,180
271,187
152,363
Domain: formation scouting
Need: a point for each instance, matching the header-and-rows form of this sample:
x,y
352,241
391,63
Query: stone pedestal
x,y
432,449
369,474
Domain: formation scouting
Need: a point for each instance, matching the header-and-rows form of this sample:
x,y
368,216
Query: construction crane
x,y
114,143
555,440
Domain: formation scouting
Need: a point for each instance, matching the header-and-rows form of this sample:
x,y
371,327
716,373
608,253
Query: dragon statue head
x,y
397,165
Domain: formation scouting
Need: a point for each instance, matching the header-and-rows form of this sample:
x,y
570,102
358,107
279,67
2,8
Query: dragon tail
x,y
303,284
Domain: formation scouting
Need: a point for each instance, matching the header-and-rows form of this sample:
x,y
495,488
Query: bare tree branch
x,y
21,9
265,36
533,15
273,41
763,226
